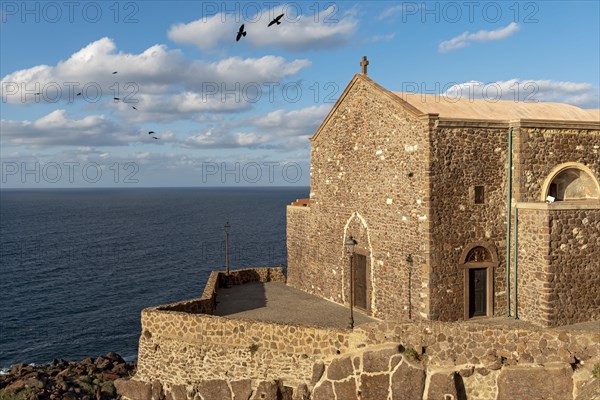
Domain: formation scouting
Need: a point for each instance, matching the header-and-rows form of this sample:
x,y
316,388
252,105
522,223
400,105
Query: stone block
x,y
378,361
442,385
591,391
374,387
345,389
317,372
324,391
178,392
216,389
242,390
408,382
302,392
554,382
134,390
340,368
266,390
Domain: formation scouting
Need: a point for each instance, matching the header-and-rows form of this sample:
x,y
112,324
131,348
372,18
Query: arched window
x,y
571,182
478,254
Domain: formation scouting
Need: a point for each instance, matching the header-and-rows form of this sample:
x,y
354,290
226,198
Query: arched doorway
x,y
478,261
571,181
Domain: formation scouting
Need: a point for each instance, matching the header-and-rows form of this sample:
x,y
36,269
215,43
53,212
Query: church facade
x,y
460,208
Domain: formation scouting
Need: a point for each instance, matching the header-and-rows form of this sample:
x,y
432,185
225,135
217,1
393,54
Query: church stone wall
x,y
559,263
575,261
368,179
538,150
464,157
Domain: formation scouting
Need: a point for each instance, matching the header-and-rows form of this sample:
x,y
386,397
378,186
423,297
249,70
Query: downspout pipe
x,y
516,260
508,209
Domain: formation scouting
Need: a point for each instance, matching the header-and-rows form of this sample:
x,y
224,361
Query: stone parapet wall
x,y
221,358
178,339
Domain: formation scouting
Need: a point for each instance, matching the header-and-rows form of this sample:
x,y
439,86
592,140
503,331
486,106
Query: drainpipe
x,y
516,255
508,206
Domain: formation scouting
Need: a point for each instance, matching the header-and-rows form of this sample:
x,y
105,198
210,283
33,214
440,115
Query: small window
x,y
479,195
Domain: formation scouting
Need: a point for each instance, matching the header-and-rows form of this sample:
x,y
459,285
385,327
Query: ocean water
x,y
78,265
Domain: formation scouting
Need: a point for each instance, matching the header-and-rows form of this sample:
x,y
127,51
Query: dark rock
x,y
178,392
340,368
549,382
242,390
591,391
408,382
87,361
345,389
324,391
216,389
157,391
266,390
374,387
103,363
378,361
114,357
301,393
133,389
317,372
444,385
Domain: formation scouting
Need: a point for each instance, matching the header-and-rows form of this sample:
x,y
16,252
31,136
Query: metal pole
x,y
351,322
516,255
508,207
227,252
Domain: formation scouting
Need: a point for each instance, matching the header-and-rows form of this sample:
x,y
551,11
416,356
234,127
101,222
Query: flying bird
x,y
134,107
114,72
116,98
79,94
154,137
277,20
240,33
150,133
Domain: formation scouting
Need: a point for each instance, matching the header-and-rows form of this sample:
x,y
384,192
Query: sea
x,y
77,266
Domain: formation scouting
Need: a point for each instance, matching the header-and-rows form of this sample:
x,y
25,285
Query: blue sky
x,y
240,113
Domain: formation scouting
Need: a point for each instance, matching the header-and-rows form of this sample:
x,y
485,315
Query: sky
x,y
240,113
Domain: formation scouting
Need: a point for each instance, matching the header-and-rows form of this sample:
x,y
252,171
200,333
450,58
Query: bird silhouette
x,y
277,20
154,137
79,94
134,107
240,33
116,98
114,72
150,133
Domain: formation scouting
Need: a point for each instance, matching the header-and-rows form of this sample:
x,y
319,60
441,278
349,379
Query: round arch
x,y
571,181
481,258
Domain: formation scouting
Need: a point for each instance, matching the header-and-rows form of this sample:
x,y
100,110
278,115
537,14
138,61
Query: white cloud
x,y
57,129
279,129
156,71
580,94
300,33
382,38
467,38
404,8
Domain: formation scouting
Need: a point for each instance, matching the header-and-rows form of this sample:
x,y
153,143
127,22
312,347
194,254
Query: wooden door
x,y
360,281
477,292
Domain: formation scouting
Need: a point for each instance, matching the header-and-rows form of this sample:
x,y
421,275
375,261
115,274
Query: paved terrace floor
x,y
277,302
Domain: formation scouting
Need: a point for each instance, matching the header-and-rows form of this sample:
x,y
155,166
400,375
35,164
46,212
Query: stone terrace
x,y
279,303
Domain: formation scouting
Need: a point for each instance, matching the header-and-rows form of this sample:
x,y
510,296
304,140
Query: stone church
x,y
460,208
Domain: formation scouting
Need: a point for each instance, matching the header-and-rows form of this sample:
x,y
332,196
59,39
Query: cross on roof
x,y
364,64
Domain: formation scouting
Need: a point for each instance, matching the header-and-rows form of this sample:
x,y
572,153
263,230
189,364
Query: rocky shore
x,y
88,379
